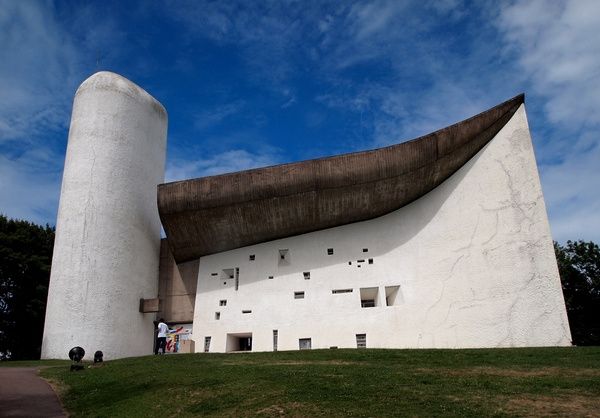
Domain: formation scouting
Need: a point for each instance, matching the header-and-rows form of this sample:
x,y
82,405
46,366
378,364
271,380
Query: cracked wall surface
x,y
106,250
473,258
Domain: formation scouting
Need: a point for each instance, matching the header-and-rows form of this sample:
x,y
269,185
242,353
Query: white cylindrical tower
x,y
107,245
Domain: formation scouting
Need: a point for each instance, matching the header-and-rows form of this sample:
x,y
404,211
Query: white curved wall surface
x,y
106,251
473,260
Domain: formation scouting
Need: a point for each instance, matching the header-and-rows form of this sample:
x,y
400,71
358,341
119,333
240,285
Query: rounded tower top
x,y
109,81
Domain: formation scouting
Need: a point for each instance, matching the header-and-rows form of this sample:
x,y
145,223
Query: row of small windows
x,y
306,343
284,252
368,297
303,343
231,273
218,314
305,274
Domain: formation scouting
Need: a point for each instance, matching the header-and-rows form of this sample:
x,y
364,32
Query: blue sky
x,y
254,83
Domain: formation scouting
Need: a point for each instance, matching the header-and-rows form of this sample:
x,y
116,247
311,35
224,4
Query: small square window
x,y
368,297
223,302
329,251
252,257
298,295
270,277
370,261
349,263
217,315
306,275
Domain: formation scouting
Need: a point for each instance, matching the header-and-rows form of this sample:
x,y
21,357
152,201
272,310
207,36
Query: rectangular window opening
x,y
329,251
252,257
298,295
270,277
246,311
370,261
336,291
214,274
306,275
393,296
305,343
368,297
361,340
206,344
237,278
365,250
217,315
223,302
275,338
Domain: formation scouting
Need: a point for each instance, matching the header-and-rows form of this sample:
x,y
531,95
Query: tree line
x,y
26,256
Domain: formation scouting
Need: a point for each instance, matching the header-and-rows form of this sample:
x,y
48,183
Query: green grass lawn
x,y
486,382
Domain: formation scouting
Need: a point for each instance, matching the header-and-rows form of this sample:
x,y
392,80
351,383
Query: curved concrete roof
x,y
212,214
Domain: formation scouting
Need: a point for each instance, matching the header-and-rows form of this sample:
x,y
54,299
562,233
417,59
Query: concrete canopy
x,y
218,213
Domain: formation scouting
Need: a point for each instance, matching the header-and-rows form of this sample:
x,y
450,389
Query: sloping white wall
x,y
473,259
106,250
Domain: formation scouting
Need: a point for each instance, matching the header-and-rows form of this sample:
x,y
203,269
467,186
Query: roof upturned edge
x,y
212,214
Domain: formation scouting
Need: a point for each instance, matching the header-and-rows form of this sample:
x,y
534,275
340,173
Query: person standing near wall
x,y
161,338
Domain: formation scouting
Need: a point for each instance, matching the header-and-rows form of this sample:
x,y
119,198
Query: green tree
x,y
579,267
25,258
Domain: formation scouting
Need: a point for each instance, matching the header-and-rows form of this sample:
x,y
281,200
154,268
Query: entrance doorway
x,y
239,342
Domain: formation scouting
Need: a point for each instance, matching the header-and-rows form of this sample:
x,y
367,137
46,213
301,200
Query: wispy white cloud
x,y
374,18
38,64
557,49
209,118
30,185
224,162
42,61
557,46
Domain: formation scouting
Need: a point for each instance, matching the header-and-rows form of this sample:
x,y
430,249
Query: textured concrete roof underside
x,y
212,214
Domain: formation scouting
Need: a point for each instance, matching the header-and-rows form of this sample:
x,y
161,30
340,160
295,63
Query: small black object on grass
x,y
98,356
76,355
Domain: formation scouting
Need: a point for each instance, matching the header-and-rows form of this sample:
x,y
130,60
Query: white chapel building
x,y
439,242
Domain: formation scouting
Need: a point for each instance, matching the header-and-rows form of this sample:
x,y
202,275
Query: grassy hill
x,y
499,382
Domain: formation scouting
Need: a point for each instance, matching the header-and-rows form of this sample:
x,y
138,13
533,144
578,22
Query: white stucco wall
x,y
473,259
106,251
